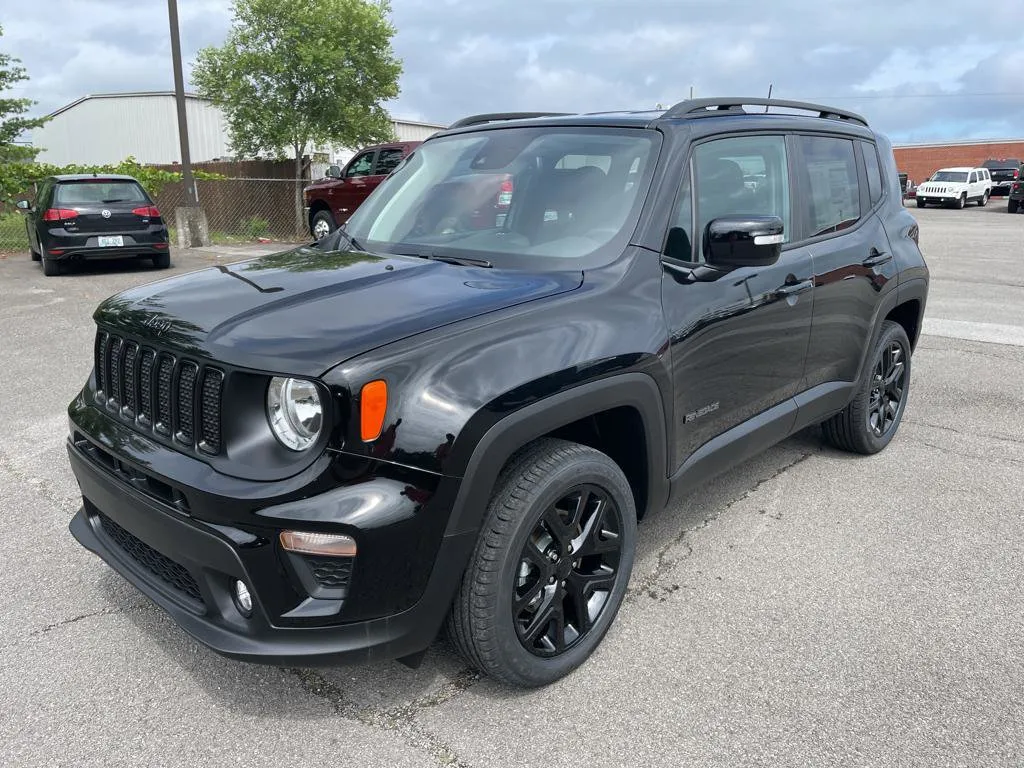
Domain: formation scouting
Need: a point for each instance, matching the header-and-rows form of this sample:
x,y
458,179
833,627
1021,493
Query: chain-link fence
x,y
237,210
13,235
244,210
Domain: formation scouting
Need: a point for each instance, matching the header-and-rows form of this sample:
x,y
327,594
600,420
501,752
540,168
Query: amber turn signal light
x,y
324,544
373,404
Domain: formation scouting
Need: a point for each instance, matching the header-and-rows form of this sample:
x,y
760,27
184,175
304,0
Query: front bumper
x,y
188,567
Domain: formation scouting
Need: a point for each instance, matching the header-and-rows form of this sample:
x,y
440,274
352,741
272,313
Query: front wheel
x,y
921,203
322,225
961,201
551,565
870,421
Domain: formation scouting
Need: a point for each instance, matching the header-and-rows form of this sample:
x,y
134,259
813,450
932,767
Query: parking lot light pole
x,y
192,227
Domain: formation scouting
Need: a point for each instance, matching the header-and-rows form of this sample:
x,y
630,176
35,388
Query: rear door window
x,y
98,193
829,168
388,160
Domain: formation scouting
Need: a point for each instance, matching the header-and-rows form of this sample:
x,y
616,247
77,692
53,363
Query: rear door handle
x,y
876,258
794,288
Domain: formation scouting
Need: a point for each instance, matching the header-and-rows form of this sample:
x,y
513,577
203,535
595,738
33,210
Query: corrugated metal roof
x,y
958,143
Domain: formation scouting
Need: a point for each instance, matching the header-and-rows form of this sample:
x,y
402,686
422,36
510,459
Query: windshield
x,y
953,176
86,192
543,197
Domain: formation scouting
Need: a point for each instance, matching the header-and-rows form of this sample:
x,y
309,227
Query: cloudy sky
x,y
933,70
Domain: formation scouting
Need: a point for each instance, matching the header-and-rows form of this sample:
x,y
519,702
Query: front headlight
x,y
294,412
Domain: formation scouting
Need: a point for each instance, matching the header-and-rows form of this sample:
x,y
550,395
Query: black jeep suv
x,y
442,414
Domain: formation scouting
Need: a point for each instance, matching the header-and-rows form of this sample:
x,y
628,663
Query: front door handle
x,y
792,289
876,258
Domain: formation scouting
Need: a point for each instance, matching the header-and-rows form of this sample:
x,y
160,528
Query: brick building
x,y
919,161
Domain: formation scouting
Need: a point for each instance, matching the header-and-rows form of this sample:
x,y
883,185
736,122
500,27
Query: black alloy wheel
x,y
887,389
551,565
869,422
567,570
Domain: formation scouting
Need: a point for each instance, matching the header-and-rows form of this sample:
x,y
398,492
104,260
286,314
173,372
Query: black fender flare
x,y
914,289
635,390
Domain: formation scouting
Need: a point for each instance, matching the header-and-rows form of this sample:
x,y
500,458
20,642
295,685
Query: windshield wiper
x,y
353,244
462,261
115,200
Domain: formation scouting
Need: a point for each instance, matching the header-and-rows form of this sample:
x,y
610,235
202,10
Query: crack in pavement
x,y
400,719
965,434
73,620
963,454
38,484
651,585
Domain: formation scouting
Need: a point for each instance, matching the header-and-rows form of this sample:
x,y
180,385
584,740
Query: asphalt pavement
x,y
809,608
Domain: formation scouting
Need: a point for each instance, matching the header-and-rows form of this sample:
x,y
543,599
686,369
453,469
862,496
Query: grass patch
x,y
13,236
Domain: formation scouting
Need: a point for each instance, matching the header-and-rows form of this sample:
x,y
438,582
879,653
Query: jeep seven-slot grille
x,y
157,391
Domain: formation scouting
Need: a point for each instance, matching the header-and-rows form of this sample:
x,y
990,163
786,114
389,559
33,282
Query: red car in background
x,y
333,199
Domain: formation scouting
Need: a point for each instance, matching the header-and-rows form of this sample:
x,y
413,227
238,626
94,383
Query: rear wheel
x,y
322,225
1012,205
551,565
984,200
162,260
870,421
35,256
51,268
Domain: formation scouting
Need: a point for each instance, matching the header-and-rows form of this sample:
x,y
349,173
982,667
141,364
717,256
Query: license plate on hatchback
x,y
114,241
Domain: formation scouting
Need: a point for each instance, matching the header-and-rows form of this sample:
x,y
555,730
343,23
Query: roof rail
x,y
496,116
709,107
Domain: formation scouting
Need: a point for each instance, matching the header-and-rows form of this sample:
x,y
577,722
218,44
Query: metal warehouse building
x,y
107,128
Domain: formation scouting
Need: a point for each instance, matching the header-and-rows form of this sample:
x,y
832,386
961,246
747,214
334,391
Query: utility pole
x,y
191,193
193,229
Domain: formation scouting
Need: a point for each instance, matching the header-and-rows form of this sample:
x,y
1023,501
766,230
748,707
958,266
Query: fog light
x,y
243,600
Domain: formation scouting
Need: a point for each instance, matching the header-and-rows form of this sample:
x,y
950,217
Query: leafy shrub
x,y
255,227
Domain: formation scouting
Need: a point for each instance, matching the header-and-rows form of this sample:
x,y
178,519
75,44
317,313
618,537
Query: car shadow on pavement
x,y
109,266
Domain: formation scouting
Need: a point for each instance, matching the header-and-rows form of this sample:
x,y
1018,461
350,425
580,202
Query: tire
x,y
921,203
851,429
984,200
961,201
1012,206
162,260
323,222
35,256
51,268
484,624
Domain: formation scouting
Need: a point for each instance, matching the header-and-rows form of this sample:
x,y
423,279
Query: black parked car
x,y
90,216
1015,201
1004,173
329,453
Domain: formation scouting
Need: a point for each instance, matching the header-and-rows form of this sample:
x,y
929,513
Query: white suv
x,y
956,187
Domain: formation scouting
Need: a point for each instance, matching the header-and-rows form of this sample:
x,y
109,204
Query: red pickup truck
x,y
333,199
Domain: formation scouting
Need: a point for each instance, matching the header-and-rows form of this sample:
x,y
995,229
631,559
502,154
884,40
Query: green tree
x,y
296,74
12,120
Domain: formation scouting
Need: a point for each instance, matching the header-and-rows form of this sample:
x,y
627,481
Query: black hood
x,y
304,311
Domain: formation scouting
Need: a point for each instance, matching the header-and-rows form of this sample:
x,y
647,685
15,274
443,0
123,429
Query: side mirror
x,y
24,205
743,241
334,172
